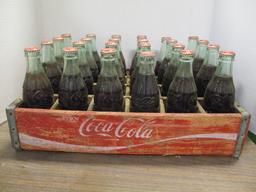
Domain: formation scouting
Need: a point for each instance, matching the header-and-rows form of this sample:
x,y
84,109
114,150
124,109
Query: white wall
x,y
234,27
18,29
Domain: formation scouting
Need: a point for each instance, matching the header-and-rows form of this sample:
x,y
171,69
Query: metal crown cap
x,y
193,37
91,35
70,50
227,53
78,43
116,36
58,38
104,51
179,45
186,52
46,42
31,49
147,54
203,42
66,35
213,46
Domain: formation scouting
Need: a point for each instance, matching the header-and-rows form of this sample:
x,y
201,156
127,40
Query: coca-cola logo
x,y
142,129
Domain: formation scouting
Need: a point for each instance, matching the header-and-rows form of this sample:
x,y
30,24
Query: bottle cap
x,y
213,46
186,52
104,51
86,39
46,42
78,43
144,44
70,50
193,37
227,53
31,49
116,40
58,38
66,35
203,42
165,38
141,37
147,54
111,43
116,36
91,35
171,41
143,40
179,46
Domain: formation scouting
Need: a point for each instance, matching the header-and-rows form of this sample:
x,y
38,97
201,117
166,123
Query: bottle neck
x,y
47,54
201,51
82,56
71,65
225,66
212,57
168,51
175,56
185,67
67,41
88,50
108,69
192,45
34,65
58,46
146,66
94,45
162,50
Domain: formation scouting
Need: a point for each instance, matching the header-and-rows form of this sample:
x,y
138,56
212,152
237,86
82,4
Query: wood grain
x,y
62,172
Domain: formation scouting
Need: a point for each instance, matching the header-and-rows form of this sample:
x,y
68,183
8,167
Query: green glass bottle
x,y
108,91
200,56
67,39
182,93
171,68
89,56
192,43
37,89
208,69
50,65
219,96
58,45
166,60
145,93
73,93
94,49
84,65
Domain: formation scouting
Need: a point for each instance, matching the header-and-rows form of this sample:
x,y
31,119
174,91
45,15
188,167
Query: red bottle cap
x,y
193,37
32,49
213,46
147,54
143,40
179,45
141,37
70,50
186,52
91,35
171,41
165,38
66,35
78,43
58,38
116,36
111,43
115,40
46,42
107,51
144,44
86,39
227,53
203,41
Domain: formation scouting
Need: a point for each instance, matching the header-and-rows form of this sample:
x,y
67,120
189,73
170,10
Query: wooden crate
x,y
127,132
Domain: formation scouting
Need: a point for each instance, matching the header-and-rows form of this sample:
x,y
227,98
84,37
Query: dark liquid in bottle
x,y
162,69
145,94
53,73
73,94
197,63
182,96
60,62
168,78
158,63
37,91
134,60
220,95
87,77
123,61
97,59
95,73
108,95
203,78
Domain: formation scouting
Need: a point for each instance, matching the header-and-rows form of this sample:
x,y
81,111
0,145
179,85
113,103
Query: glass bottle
x,y
161,55
145,93
58,45
142,47
182,93
73,93
192,43
208,69
136,54
94,49
50,65
89,56
219,96
114,45
67,39
171,68
117,40
200,56
108,91
37,89
166,60
84,65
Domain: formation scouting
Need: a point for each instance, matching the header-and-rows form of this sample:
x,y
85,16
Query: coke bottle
x,y
37,89
166,60
161,55
142,47
200,56
134,59
73,94
84,65
58,45
192,43
208,69
114,45
108,91
94,49
219,96
89,56
50,65
171,68
145,93
118,41
67,39
182,93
